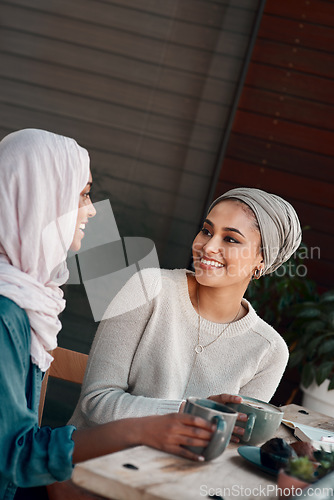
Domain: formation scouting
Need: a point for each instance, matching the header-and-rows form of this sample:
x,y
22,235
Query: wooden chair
x,y
70,366
67,365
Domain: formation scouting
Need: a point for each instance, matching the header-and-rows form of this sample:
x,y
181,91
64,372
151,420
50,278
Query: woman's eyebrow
x,y
208,221
231,229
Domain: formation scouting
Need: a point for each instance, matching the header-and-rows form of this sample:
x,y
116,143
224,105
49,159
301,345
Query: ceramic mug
x,y
222,416
263,420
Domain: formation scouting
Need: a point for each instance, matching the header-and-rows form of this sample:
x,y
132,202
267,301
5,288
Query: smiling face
x,y
227,249
86,211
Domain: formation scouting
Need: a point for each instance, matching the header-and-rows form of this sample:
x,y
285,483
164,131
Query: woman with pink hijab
x,y
44,207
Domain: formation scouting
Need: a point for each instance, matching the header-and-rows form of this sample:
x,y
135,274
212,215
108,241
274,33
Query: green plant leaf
x,y
327,347
282,303
312,346
308,375
296,308
296,358
309,312
323,371
327,296
331,319
303,468
314,326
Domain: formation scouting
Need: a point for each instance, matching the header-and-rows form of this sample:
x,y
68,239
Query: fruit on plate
x,y
275,453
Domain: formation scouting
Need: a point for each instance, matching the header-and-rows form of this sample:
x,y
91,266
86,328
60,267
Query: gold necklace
x,y
199,347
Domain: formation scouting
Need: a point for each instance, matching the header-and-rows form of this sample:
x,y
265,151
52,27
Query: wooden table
x,y
159,475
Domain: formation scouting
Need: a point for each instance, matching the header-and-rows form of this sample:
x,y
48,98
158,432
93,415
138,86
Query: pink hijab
x,y
42,175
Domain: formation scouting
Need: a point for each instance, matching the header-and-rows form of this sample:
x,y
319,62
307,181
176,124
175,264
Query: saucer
x,y
252,455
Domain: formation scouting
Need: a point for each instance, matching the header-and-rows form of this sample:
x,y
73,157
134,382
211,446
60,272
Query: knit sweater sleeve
x,y
270,370
106,394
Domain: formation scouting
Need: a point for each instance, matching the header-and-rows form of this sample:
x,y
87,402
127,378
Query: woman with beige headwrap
x,y
195,334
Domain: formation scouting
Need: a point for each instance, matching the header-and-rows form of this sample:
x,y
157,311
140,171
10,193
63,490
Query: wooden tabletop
x,y
144,473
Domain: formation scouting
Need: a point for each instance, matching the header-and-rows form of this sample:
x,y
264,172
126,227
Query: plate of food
x,y
252,455
270,457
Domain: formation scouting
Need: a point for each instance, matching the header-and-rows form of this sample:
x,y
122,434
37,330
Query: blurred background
x,y
176,102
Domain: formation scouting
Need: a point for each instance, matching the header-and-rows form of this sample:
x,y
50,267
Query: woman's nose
x,y
91,210
213,246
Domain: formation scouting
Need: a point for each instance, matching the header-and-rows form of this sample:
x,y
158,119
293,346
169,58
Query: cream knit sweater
x,y
141,360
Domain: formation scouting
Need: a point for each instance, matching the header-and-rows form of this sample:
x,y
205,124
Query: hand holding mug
x,y
242,417
223,419
180,434
263,419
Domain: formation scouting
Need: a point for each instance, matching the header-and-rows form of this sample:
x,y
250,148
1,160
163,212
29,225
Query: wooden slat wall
x,y
145,86
282,138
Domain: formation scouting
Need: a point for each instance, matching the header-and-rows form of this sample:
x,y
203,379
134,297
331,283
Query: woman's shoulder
x,y
162,278
173,275
10,310
155,277
267,331
142,288
14,320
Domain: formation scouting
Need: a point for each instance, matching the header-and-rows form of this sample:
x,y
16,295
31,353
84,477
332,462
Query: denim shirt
x,y
29,455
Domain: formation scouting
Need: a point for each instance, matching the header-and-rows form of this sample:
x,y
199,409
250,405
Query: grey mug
x,y
224,418
263,420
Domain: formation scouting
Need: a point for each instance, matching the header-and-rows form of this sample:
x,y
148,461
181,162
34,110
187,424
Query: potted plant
x,y
303,471
310,337
289,301
273,294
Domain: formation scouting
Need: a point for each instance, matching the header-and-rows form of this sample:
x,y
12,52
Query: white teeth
x,y
82,226
211,263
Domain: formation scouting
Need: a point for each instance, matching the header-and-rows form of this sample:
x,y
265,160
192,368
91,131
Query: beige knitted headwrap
x,y
278,222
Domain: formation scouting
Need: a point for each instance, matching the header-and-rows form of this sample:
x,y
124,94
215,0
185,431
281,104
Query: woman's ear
x,y
261,263
261,266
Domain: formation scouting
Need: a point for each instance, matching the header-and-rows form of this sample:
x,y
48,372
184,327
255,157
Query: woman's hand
x,y
169,433
229,398
172,432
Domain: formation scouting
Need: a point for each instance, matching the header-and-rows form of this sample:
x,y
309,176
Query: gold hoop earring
x,y
257,274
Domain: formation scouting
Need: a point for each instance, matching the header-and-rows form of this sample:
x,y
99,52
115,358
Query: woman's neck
x,y
219,305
